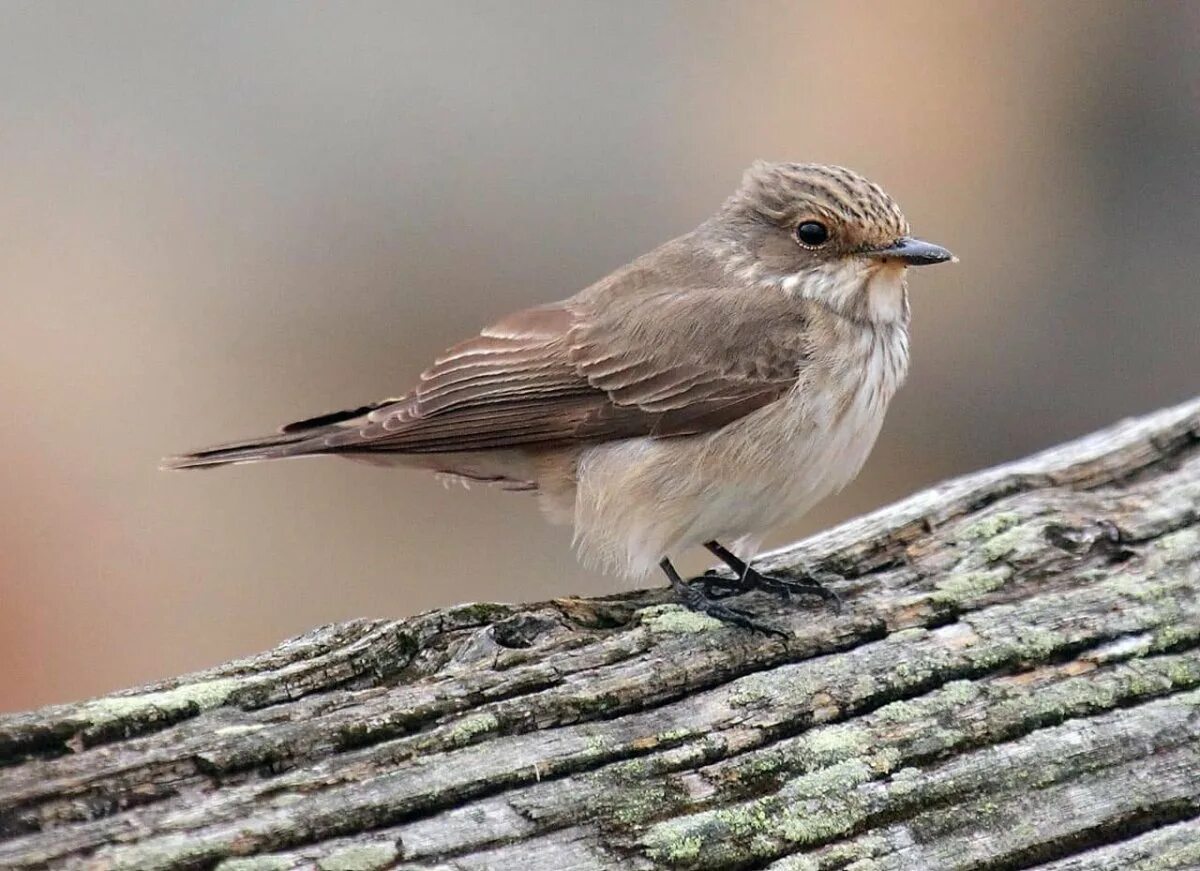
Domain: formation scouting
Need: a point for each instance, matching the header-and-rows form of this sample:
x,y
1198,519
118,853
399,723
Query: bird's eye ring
x,y
812,234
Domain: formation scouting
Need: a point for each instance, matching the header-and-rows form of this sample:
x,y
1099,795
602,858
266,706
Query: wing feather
x,y
661,365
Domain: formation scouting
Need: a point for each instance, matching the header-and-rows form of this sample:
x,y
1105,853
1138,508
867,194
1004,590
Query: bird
x,y
719,385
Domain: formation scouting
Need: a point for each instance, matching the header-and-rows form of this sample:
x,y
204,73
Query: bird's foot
x,y
695,599
806,583
699,602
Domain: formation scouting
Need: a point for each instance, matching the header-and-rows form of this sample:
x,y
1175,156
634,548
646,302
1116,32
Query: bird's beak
x,y
914,252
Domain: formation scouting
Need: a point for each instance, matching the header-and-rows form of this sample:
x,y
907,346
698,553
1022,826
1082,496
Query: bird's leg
x,y
808,582
693,598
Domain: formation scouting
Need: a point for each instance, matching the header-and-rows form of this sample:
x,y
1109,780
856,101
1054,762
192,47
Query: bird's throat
x,y
887,294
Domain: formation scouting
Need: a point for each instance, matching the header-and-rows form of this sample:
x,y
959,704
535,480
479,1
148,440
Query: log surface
x,y
1012,683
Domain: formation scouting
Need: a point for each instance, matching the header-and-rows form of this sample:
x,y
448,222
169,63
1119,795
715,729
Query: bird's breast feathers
x,y
640,498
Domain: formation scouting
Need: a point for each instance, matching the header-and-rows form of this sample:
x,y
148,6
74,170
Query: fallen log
x,y
1013,682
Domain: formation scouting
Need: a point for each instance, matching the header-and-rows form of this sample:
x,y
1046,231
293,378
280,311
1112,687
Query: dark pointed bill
x,y
914,252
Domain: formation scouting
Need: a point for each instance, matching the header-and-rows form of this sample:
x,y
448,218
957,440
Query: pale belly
x,y
642,499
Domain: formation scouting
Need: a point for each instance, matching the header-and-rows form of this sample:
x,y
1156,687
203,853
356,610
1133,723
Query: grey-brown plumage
x,y
721,383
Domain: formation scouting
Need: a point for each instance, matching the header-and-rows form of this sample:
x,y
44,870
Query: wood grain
x,y
1014,682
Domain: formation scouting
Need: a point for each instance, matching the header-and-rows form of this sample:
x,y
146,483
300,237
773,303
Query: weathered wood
x,y
1012,683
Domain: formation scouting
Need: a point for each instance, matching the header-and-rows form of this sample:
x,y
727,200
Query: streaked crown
x,y
788,193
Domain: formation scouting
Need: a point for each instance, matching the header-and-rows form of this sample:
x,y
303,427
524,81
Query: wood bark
x,y
1012,682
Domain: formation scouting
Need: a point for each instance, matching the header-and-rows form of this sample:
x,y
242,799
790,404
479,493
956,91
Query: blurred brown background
x,y
218,217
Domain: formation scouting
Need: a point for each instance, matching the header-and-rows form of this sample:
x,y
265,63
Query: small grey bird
x,y
721,384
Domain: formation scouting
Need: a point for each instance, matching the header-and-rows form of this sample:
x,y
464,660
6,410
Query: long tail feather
x,y
274,447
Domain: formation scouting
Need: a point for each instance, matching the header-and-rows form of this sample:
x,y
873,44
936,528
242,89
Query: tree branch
x,y
1014,682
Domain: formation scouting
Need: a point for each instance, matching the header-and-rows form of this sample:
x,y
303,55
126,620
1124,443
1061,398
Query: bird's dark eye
x,y
812,234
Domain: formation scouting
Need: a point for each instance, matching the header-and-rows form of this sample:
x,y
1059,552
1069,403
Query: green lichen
x,y
673,842
1180,544
1057,702
597,745
990,527
884,760
1140,588
1097,691
471,727
836,743
960,692
189,698
758,765
900,712
754,689
810,808
934,739
856,855
1036,644
1007,543
1172,635
363,857
864,687
1183,673
172,852
808,824
965,586
684,849
747,820
905,780
1005,644
831,807
631,800
676,619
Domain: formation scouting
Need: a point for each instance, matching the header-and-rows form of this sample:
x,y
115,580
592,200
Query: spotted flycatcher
x,y
721,384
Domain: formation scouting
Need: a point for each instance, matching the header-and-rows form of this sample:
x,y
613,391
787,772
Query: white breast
x,y
642,499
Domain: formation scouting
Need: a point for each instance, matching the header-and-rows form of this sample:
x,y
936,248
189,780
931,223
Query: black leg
x,y
697,601
808,583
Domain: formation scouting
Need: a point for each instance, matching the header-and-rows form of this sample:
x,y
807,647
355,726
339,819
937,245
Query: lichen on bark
x,y
1014,681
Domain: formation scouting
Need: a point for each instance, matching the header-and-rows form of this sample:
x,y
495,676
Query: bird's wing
x,y
665,364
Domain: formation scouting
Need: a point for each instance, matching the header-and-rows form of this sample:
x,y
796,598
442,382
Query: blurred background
x,y
217,217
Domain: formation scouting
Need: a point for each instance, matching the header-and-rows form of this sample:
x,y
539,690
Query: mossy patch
x,y
836,743
471,727
810,808
991,526
962,587
684,849
677,620
125,714
960,692
758,688
1008,543
200,696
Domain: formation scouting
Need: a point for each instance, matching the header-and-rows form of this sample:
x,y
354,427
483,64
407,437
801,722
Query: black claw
x,y
717,587
698,601
746,578
784,587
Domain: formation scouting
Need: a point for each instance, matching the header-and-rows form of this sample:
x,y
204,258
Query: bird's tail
x,y
272,447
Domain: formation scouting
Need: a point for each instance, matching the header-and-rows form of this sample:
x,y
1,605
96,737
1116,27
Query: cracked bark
x,y
1012,683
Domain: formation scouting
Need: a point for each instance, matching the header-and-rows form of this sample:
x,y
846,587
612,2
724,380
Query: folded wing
x,y
659,366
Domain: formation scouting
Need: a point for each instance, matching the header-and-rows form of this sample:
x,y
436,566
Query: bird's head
x,y
824,233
